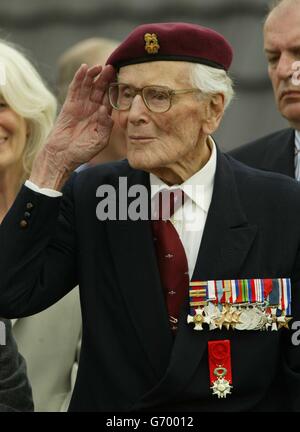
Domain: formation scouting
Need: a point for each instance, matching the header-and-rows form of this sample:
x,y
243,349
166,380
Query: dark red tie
x,y
171,257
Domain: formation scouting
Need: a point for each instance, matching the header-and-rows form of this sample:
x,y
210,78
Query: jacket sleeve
x,y
37,252
15,391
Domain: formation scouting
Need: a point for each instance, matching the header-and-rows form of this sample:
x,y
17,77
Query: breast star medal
x,y
221,386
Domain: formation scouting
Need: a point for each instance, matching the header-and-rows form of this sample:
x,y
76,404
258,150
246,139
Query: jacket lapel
x,y
280,154
227,236
225,244
133,251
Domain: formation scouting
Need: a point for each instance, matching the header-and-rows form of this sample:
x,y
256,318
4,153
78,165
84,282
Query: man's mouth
x,y
139,137
290,93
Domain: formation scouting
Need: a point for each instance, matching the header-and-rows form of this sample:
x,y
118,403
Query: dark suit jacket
x,y
15,391
129,360
274,152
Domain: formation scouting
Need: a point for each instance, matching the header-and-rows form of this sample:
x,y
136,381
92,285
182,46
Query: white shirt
x,y
190,221
297,155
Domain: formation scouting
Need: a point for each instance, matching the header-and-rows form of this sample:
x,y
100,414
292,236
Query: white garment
x,y
190,221
50,343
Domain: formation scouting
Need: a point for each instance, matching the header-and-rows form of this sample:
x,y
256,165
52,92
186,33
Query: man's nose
x,y
138,110
284,66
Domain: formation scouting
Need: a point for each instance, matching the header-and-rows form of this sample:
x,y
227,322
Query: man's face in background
x,y
282,48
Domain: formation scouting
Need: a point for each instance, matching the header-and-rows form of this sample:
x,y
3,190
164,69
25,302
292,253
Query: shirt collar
x,y
297,139
199,187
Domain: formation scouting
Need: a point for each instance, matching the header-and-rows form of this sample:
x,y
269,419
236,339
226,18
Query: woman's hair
x,y
212,81
25,92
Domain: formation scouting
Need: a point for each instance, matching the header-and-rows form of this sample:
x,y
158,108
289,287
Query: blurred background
x,y
46,28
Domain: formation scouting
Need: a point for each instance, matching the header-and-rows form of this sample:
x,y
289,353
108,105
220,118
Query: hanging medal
x,y
219,359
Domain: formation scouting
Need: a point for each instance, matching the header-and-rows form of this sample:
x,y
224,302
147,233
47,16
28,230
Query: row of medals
x,y
239,317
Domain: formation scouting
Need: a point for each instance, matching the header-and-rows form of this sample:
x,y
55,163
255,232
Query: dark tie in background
x,y
171,257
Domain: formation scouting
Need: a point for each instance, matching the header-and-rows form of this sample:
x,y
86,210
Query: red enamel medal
x,y
219,358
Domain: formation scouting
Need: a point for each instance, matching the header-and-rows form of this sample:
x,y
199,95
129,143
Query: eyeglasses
x,y
157,99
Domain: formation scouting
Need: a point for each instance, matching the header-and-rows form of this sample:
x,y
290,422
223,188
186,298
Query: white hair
x,y
25,92
212,81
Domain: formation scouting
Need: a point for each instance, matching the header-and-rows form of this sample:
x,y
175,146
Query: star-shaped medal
x,y
283,321
221,388
229,317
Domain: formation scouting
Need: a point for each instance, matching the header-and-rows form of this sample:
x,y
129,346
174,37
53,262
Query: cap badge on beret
x,y
151,45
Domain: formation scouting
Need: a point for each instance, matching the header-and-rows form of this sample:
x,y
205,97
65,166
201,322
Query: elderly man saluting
x,y
187,313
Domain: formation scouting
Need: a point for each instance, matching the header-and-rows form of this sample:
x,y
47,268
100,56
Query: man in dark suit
x,y
279,151
138,350
15,390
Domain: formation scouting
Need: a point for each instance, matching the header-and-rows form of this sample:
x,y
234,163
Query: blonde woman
x,y
27,113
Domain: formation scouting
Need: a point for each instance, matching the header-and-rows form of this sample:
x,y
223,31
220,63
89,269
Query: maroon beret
x,y
173,41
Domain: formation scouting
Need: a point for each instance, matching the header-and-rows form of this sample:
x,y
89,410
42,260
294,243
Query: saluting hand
x,y
84,124
82,128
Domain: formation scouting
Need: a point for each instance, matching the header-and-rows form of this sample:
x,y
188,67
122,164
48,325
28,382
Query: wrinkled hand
x,y
84,124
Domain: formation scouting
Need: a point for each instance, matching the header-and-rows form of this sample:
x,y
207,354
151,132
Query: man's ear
x,y
214,111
